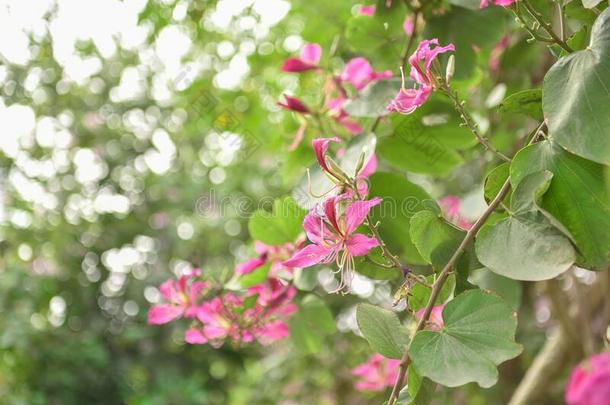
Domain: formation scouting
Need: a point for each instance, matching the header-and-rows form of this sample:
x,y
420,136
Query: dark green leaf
x,y
526,102
435,238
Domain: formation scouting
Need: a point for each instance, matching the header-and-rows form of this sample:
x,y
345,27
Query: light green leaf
x,y
577,198
310,324
282,225
420,294
435,238
576,96
478,335
506,288
401,200
495,180
526,102
525,246
383,330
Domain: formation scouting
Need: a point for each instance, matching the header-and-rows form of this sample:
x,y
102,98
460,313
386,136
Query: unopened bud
x,y
359,164
450,70
336,170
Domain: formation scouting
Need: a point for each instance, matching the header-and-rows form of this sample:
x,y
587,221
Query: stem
x,y
546,26
562,28
438,284
411,41
468,120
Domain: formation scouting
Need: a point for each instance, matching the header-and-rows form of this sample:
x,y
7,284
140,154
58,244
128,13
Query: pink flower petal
x,y
194,336
408,26
360,245
296,65
308,256
320,146
366,10
311,53
294,104
160,314
250,265
356,212
407,100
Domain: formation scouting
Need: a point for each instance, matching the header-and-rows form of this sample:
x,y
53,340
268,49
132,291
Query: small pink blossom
x,y
294,104
308,60
274,255
497,51
333,237
181,296
359,72
366,10
335,108
435,321
408,26
589,383
320,146
503,3
376,374
407,100
451,206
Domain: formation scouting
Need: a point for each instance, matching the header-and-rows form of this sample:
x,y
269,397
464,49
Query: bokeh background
x,y
122,123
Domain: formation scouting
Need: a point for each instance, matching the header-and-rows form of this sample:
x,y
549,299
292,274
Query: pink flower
x,y
366,10
333,236
335,107
451,206
294,104
308,60
225,317
503,3
497,51
407,100
435,321
589,383
408,26
181,297
376,374
274,255
359,73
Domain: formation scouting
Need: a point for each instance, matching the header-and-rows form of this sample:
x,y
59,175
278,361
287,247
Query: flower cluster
x,y
589,383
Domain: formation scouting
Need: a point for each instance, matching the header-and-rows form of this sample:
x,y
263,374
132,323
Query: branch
x,y
544,25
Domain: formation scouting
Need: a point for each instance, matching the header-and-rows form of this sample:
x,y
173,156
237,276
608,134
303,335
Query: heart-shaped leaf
x,y
478,334
525,246
577,198
576,96
382,329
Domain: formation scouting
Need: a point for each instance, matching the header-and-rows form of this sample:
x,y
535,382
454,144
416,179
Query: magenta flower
x,y
320,146
376,374
407,100
359,72
224,317
335,108
181,296
366,10
274,255
451,207
435,321
589,383
308,60
294,104
408,26
333,236
503,3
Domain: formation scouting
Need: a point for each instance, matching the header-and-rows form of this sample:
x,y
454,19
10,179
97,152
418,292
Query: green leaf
x,y
576,96
419,388
577,198
318,182
382,329
495,180
373,99
373,271
310,324
420,294
478,335
485,28
506,288
401,200
283,225
526,102
525,246
435,238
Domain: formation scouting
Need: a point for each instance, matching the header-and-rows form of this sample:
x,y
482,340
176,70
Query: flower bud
x,y
450,69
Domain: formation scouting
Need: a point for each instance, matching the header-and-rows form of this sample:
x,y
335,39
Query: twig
x,y
546,26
